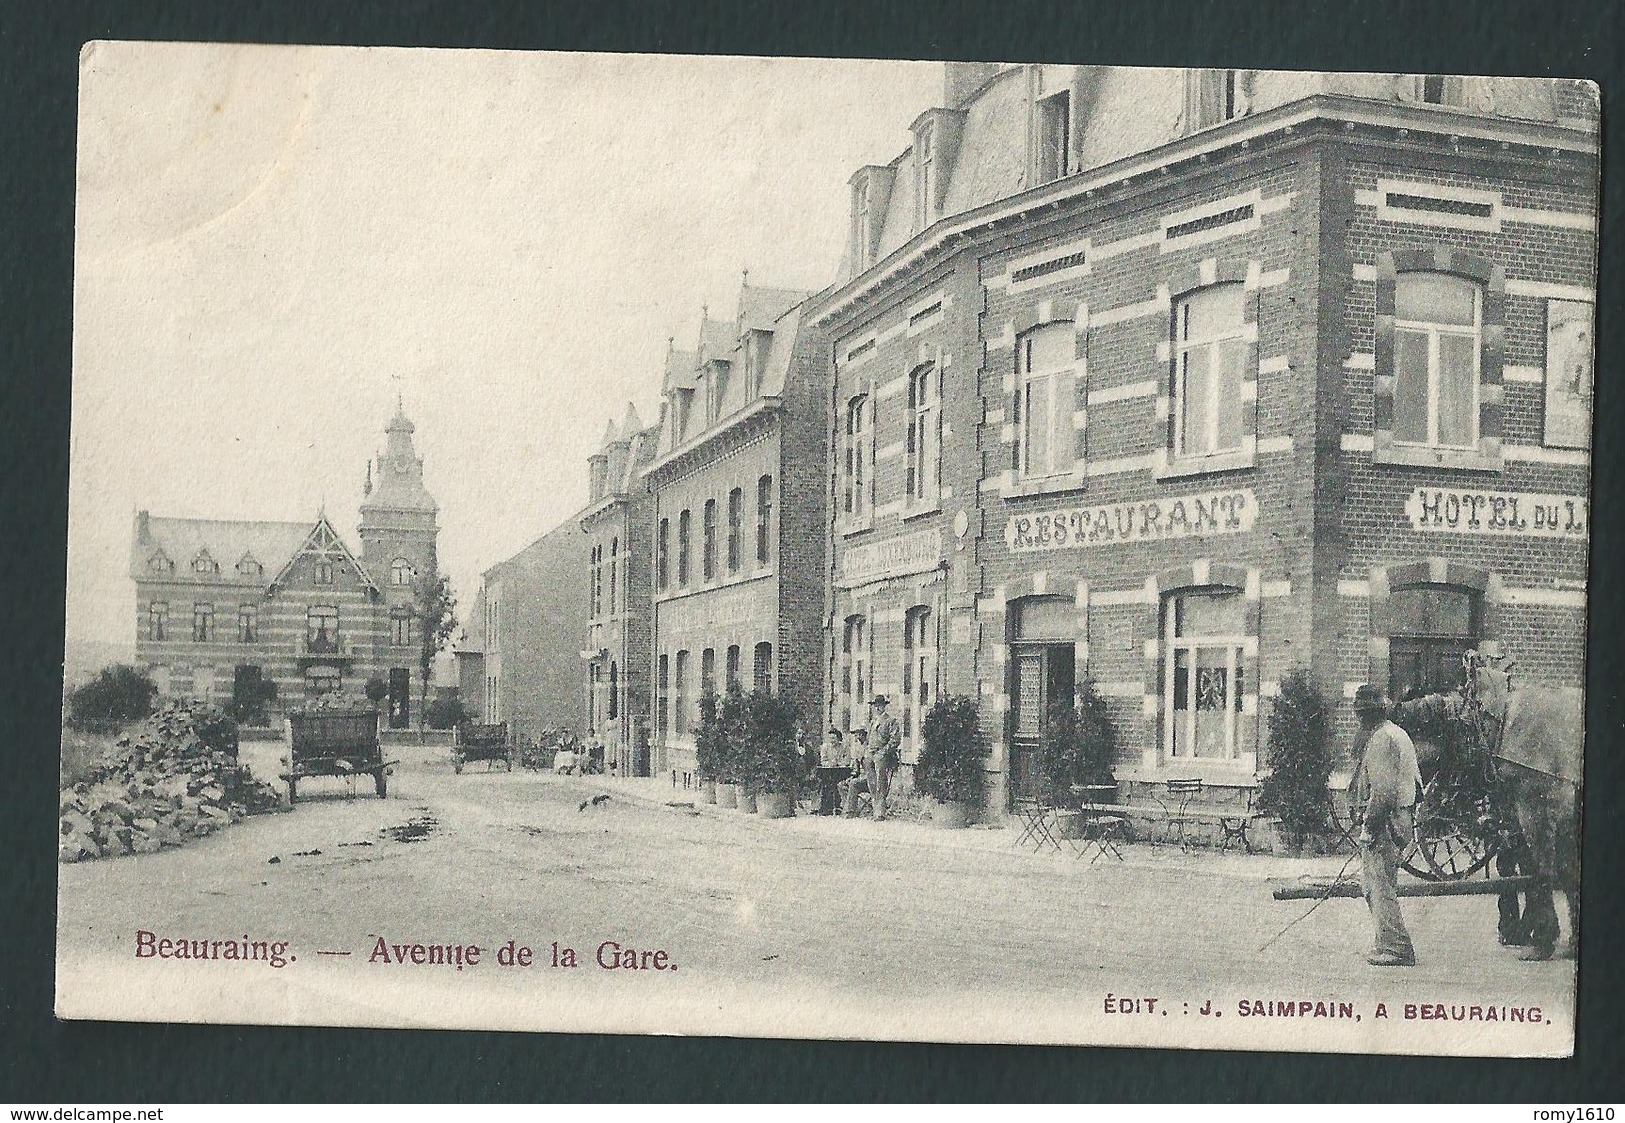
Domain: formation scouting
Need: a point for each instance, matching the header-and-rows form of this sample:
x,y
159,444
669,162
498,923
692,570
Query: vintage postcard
x,y
965,551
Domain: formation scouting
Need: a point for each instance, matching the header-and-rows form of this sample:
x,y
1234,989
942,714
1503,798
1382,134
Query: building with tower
x,y
224,605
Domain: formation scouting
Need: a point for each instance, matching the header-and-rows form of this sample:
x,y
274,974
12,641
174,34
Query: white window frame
x,y
925,204
1235,646
1062,433
924,435
1053,146
1433,332
921,643
1210,347
856,643
858,464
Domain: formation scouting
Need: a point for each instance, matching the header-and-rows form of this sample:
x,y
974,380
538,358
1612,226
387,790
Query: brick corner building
x,y
1177,380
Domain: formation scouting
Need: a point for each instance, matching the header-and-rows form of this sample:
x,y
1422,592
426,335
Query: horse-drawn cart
x,y
335,743
489,743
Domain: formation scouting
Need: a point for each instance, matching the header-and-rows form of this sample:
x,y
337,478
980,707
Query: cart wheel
x,y
1452,840
382,783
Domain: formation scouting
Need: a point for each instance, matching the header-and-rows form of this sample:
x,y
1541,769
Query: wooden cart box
x,y
335,743
489,743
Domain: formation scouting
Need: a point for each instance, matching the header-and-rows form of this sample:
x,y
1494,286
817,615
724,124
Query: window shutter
x,y
936,469
874,436
1244,92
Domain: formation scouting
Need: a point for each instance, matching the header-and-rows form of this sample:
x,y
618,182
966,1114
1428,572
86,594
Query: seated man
x,y
833,766
858,783
564,762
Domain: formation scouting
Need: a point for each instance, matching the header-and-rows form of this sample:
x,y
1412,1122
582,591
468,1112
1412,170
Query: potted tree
x,y
774,764
733,750
1080,748
1294,791
708,755
949,770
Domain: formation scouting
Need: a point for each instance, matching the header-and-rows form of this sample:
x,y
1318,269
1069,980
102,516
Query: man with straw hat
x,y
1386,782
885,741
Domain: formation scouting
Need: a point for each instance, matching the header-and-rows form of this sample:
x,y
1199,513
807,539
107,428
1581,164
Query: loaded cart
x,y
489,743
335,743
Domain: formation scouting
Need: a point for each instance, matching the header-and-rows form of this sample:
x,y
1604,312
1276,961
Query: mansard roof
x,y
272,544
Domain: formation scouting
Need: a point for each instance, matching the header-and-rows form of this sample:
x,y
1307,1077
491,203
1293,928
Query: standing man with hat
x,y
1386,781
885,742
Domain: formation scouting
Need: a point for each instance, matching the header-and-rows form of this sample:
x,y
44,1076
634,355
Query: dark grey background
x,y
46,1061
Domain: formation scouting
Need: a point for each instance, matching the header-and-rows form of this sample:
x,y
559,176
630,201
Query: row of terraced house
x,y
1172,380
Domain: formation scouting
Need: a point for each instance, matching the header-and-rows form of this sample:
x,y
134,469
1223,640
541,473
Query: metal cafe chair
x,y
1101,829
1035,808
1181,793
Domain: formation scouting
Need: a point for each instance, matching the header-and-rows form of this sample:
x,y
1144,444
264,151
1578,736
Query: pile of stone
x,y
174,779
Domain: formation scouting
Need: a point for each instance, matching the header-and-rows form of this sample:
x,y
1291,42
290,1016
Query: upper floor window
x,y
401,573
202,623
158,563
663,554
322,628
924,465
1438,324
662,696
764,520
158,620
248,624
1054,136
1214,96
203,563
400,627
857,459
1209,366
925,177
736,528
248,567
595,581
324,572
708,672
1045,395
683,535
708,549
614,568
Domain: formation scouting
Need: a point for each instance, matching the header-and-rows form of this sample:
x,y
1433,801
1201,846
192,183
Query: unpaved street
x,y
807,927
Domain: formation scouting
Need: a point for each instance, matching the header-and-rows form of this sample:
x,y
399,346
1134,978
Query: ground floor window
x,y
662,697
679,688
1433,626
854,672
732,678
614,691
323,680
919,676
1205,676
762,668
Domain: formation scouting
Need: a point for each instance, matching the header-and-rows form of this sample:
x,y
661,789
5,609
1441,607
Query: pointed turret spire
x,y
632,425
399,486
610,436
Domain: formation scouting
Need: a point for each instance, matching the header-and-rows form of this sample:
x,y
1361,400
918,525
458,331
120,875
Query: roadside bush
x,y
1300,761
950,766
117,696
733,730
251,699
446,713
1080,743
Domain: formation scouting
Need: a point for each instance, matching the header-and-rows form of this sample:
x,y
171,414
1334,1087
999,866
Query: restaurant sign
x,y
895,557
1204,515
1526,514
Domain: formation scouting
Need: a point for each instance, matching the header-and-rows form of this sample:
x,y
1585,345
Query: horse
x,y
1535,737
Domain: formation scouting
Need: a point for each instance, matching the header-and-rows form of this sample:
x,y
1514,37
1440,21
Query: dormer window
x,y
159,563
250,568
204,564
718,391
324,572
1213,97
925,176
1054,136
1436,89
860,226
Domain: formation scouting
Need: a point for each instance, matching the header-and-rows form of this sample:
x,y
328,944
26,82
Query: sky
x,y
272,243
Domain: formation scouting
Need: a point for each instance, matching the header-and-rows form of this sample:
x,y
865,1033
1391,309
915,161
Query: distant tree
x,y
437,613
446,713
376,690
117,696
250,700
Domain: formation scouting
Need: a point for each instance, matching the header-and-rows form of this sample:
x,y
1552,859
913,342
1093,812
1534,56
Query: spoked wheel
x,y
1455,832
